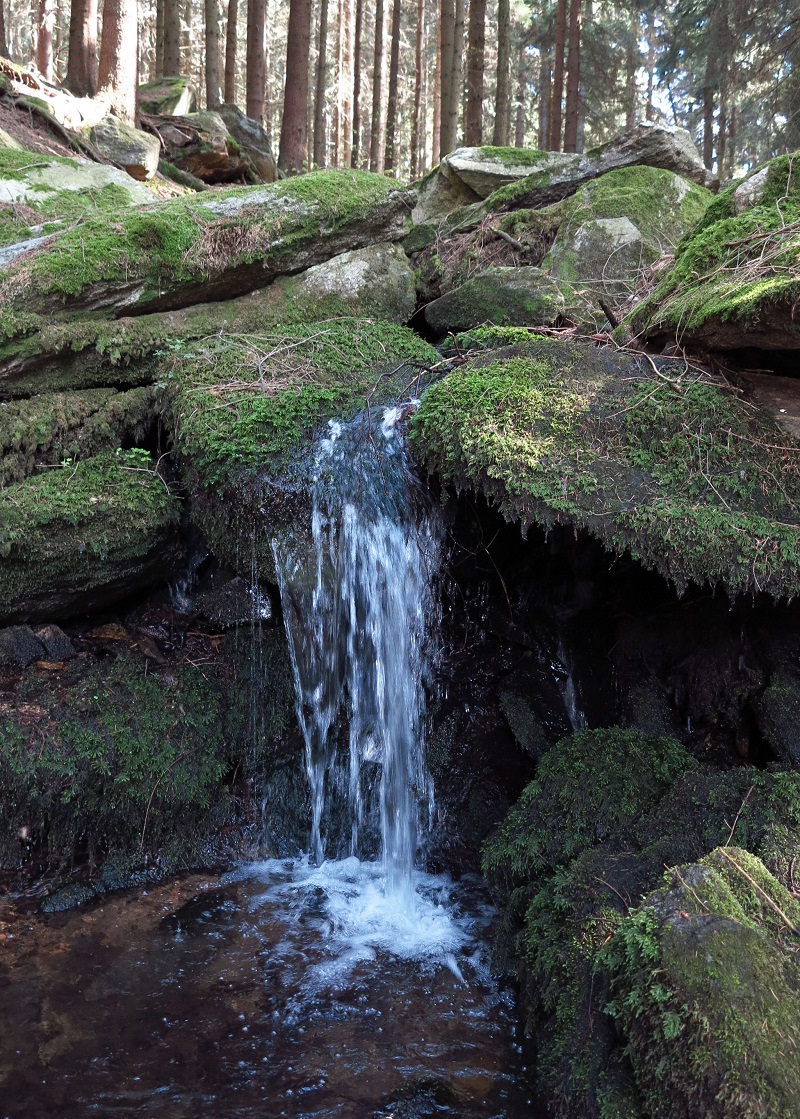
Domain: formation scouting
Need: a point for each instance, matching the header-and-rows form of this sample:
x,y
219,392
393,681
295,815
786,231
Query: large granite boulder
x,y
253,141
733,283
201,145
500,296
131,149
167,97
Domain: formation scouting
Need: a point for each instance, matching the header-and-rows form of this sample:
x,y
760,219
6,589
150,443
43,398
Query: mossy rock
x,y
244,411
190,250
83,535
40,194
706,987
500,296
137,152
734,281
689,480
169,96
778,712
618,225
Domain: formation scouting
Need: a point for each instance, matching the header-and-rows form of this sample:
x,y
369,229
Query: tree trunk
x,y
709,90
44,42
476,51
172,38
502,104
722,132
522,85
419,73
230,52
545,95
256,59
213,90
292,152
119,50
81,76
458,65
557,91
437,91
377,90
631,66
391,109
346,86
159,52
320,145
3,40
573,77
448,136
358,56
649,112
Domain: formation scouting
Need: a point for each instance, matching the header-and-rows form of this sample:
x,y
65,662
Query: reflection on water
x,y
278,990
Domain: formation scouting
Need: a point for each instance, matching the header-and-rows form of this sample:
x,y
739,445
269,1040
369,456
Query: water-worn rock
x,y
167,97
190,250
19,645
80,537
502,296
56,643
135,151
253,140
733,283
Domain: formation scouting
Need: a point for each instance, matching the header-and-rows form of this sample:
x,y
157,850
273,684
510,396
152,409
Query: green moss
x,y
514,157
706,987
689,480
48,429
732,267
491,338
189,239
779,716
82,526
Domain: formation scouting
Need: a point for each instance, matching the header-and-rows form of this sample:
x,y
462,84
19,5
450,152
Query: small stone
x,y
19,645
57,645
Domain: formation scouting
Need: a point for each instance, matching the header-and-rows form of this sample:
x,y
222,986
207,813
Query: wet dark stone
x,y
19,645
195,916
69,897
56,643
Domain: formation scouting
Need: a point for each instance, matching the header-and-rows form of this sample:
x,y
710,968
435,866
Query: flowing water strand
x,y
356,599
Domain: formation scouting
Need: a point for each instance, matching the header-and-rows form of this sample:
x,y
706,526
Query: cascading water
x,y
356,598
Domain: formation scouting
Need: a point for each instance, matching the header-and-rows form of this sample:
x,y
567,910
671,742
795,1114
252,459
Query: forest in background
x,y
391,85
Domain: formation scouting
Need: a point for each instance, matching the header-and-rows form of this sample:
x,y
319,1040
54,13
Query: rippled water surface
x,y
278,990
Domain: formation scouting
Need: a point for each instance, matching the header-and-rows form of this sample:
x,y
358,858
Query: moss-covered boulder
x,y
82,535
41,193
137,152
681,474
734,282
170,96
706,987
253,141
189,250
618,225
501,296
244,410
201,145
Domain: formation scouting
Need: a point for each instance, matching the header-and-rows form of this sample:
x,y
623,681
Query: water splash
x,y
356,600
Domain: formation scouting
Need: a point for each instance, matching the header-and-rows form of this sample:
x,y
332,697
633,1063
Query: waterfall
x,y
357,601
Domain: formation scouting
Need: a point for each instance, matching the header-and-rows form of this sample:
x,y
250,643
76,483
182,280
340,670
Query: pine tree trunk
x,y
557,92
448,136
631,66
81,76
292,152
573,77
320,144
346,81
722,133
256,59
159,67
3,40
419,74
457,103
649,112
118,68
391,109
44,42
502,105
437,92
230,52
522,85
212,54
172,38
358,56
709,90
545,96
377,90
476,51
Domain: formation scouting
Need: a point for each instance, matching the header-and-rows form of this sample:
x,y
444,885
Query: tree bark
x,y
320,144
81,76
3,40
119,50
649,112
545,95
256,59
456,104
631,66
448,135
294,128
391,109
44,41
709,91
230,52
522,85
502,105
377,90
573,77
346,86
476,52
419,75
557,89
159,52
437,91
358,56
172,38
213,89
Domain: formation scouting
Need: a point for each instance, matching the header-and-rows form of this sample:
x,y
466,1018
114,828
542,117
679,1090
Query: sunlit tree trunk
x,y
256,59
458,66
118,69
545,95
377,90
557,90
358,56
391,109
448,125
573,77
4,50
649,111
230,52
417,129
437,92
292,152
320,144
476,50
502,105
346,85
81,76
44,42
631,67
172,38
522,86
212,54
